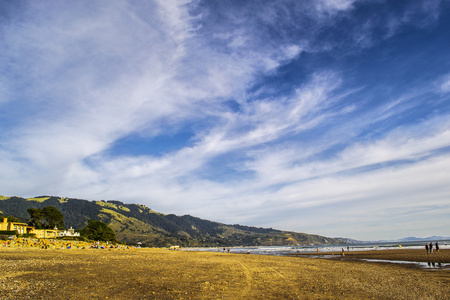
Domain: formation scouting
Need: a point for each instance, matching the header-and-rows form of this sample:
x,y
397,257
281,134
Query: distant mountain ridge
x,y
430,238
137,223
413,239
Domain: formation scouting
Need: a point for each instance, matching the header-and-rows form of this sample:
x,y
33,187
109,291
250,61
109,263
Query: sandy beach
x,y
30,273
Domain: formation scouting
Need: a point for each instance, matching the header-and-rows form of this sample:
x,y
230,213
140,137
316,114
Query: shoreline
x,y
410,258
411,255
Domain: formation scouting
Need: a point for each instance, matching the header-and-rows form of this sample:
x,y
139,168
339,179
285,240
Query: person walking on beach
x,y
437,247
431,248
426,247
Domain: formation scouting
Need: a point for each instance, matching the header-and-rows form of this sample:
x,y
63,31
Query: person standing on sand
x,y
426,247
437,247
431,248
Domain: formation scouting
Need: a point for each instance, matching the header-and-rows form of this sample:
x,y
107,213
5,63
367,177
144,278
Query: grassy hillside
x,y
137,223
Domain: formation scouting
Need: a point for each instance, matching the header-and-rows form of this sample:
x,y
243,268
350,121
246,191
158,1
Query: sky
x,y
327,117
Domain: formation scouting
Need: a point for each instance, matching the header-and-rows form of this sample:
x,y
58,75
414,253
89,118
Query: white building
x,y
68,232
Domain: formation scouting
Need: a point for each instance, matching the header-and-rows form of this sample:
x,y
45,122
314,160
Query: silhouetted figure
x,y
431,247
437,247
426,247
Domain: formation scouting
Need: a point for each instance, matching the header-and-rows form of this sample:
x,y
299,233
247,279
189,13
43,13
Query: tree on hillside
x,y
48,217
53,217
36,217
99,231
10,219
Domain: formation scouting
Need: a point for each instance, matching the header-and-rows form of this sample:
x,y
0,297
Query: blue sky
x,y
329,117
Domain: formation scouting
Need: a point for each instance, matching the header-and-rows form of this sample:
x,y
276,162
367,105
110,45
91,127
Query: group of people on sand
x,y
429,247
56,244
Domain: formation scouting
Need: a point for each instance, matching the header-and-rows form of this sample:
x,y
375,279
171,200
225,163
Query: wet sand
x,y
412,255
30,273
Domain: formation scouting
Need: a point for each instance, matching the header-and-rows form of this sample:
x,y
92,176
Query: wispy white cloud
x,y
400,189
334,5
445,84
378,27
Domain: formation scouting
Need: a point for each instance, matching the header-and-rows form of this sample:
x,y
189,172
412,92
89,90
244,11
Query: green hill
x,y
137,223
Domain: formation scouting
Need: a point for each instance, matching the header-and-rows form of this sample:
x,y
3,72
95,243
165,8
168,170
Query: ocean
x,y
286,250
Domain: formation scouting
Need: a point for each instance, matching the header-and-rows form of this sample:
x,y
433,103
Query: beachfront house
x,y
45,233
18,227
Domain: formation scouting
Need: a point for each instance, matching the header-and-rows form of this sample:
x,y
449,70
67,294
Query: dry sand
x,y
30,273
